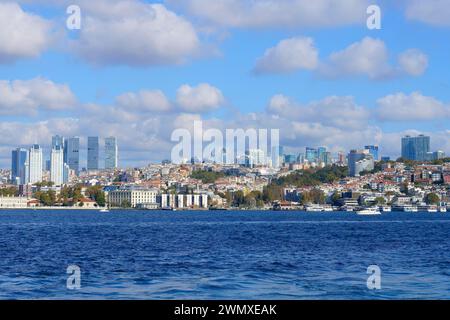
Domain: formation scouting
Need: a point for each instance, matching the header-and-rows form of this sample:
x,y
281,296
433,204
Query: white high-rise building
x,y
35,164
57,166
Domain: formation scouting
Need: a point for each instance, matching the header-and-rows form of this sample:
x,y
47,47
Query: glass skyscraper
x,y
111,153
415,148
72,153
93,153
19,166
311,155
373,150
57,142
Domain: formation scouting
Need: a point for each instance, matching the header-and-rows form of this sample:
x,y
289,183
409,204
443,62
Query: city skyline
x,y
327,81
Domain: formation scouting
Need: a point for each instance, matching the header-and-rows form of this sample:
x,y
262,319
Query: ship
x,y
369,212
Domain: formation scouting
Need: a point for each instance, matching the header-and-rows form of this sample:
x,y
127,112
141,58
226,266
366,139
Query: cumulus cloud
x,y
434,12
22,34
144,100
289,55
413,107
276,13
370,57
27,97
335,111
413,62
202,98
131,32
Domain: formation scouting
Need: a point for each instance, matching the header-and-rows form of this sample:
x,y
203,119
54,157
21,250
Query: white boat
x,y
104,210
369,212
443,209
410,209
432,209
386,209
314,208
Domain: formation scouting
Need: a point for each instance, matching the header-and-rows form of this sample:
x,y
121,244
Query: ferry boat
x,y
432,209
314,208
410,209
369,212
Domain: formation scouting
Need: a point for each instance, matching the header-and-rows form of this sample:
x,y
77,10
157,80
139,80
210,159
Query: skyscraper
x,y
111,153
72,153
35,164
311,155
373,150
359,161
93,153
19,166
57,142
321,151
415,148
57,166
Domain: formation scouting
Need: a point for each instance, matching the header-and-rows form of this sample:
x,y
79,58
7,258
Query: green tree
x,y
432,199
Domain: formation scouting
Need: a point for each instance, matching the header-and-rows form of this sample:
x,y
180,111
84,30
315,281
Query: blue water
x,y
223,255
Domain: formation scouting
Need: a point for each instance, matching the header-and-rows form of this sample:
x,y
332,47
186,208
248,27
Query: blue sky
x,y
410,97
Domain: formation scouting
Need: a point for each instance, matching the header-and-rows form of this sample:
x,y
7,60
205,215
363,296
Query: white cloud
x,y
413,107
434,12
27,97
413,62
202,98
333,111
370,57
276,13
145,101
131,32
22,34
288,56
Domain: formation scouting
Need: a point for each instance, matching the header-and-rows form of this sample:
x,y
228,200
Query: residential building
x,y
35,164
359,161
57,166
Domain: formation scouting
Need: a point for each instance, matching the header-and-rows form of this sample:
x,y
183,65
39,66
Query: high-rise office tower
x,y
57,166
72,153
111,153
93,153
311,155
415,148
19,166
321,154
373,150
57,142
35,164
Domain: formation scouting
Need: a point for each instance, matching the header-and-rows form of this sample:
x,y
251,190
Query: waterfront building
x,y
373,150
93,153
35,164
14,202
111,153
57,166
359,161
133,197
19,166
72,153
183,201
415,148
